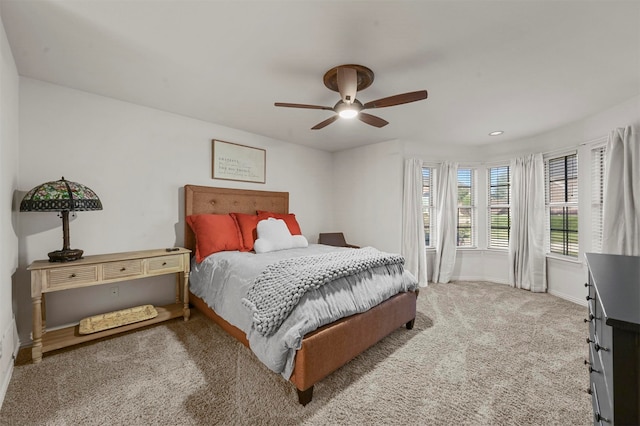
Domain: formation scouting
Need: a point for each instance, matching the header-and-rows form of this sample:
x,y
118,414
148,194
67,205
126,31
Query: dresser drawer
x,y
591,289
597,378
592,310
126,268
594,359
71,276
165,264
602,414
605,357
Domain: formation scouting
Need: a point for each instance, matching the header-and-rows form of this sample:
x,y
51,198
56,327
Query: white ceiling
x,y
524,67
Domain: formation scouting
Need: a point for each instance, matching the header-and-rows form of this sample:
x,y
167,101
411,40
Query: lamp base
x,y
65,255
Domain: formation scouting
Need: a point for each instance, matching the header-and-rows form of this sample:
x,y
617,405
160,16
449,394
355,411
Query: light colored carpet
x,y
480,354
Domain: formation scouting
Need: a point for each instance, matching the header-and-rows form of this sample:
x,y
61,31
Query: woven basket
x,y
116,319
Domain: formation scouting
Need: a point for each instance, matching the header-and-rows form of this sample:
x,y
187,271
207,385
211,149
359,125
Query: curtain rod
x,y
600,139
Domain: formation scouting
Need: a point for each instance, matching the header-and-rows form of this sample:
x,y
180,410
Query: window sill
x,y
564,258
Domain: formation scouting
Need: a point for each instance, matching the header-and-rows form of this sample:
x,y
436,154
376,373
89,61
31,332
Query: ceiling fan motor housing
x,y
348,80
364,77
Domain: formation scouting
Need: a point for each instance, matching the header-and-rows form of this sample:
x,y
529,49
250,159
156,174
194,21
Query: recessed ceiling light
x,y
496,133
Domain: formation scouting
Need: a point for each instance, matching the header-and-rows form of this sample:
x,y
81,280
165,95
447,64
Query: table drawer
x,y
165,263
125,268
69,277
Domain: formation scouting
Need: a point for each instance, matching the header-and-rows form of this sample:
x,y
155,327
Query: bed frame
x,y
327,348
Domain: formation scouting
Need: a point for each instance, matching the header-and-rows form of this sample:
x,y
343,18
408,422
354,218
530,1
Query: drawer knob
x,y
123,269
598,348
589,391
589,298
587,284
73,275
593,370
599,418
591,318
164,263
586,362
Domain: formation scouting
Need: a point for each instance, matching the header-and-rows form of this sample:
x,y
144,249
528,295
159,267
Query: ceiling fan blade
x,y
404,98
326,122
372,120
347,84
284,104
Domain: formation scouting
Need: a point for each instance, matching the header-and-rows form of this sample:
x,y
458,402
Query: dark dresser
x,y
614,338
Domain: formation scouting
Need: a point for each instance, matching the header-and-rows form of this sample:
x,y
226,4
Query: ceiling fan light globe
x,y
348,113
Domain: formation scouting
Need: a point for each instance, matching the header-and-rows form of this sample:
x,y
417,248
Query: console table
x,y
90,271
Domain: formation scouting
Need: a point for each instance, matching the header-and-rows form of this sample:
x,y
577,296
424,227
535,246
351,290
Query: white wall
x,y
565,277
8,184
137,160
573,134
367,203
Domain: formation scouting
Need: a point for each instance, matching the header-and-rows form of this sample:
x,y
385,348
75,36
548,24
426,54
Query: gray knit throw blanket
x,y
279,288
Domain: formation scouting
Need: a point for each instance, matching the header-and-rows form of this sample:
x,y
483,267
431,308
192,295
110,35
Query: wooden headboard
x,y
210,200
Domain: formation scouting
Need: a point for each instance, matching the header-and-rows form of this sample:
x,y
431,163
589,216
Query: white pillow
x,y
274,235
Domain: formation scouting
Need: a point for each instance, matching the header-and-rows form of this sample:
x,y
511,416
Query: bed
x,y
329,347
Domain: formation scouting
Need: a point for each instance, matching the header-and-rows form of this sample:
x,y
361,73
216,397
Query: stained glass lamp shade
x,y
61,196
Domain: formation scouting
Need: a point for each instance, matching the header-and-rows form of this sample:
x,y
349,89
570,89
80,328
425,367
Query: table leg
x,y
178,283
36,350
44,312
186,313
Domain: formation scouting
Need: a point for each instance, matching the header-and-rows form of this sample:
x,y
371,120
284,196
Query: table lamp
x,y
61,196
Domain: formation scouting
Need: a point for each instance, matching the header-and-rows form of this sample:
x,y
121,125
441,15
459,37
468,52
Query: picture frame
x,y
232,161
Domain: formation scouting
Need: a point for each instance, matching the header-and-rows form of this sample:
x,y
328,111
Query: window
x,y
597,197
428,206
466,208
562,204
499,203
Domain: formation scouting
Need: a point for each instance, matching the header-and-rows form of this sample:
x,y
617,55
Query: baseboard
x,y
480,278
577,300
497,281
468,278
10,347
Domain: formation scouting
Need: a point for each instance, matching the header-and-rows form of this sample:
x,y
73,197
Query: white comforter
x,y
224,278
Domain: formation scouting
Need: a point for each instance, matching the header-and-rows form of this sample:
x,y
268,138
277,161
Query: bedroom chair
x,y
334,239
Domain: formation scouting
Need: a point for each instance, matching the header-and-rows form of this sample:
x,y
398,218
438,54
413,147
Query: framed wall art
x,y
232,161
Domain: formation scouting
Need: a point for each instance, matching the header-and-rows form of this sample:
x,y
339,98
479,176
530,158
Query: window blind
x,y
597,196
499,202
466,208
428,216
561,175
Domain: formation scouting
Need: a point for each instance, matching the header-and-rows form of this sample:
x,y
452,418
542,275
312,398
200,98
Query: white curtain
x,y
621,215
446,222
527,262
413,243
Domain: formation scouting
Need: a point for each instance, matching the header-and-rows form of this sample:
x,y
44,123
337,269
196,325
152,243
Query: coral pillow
x,y
273,235
214,233
289,219
247,224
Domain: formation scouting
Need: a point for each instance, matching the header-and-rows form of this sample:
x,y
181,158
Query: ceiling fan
x,y
348,80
